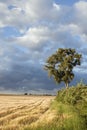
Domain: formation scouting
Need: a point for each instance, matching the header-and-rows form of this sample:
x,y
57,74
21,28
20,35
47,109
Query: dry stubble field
x,y
19,112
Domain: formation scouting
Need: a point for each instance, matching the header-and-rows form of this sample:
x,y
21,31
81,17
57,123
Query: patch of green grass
x,y
71,118
76,100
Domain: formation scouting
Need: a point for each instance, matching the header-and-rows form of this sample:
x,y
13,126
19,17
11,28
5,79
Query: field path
x,y
18,112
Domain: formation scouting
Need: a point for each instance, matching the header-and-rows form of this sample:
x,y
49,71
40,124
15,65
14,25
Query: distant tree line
x,y
30,94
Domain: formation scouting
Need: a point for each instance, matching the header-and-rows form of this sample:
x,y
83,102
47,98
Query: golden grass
x,y
17,112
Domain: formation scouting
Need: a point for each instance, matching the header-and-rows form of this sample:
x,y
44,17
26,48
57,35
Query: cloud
x,y
34,37
80,15
25,13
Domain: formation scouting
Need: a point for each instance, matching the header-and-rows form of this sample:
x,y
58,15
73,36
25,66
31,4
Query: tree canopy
x,y
60,65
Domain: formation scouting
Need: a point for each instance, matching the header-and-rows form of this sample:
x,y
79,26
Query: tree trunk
x,y
67,85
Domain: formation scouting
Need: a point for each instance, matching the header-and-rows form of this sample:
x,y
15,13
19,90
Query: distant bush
x,y
25,93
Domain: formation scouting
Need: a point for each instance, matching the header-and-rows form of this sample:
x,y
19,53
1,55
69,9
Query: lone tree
x,y
60,65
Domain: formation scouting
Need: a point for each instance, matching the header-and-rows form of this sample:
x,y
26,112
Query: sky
x,y
31,31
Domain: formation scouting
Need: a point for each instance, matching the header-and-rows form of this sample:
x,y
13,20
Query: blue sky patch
x,y
10,32
66,2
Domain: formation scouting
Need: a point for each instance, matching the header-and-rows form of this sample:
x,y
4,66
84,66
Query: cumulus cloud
x,y
23,13
81,17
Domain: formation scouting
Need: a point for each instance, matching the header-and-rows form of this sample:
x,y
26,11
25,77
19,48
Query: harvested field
x,y
18,112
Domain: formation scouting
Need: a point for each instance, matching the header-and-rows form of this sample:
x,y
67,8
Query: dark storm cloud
x,y
26,77
29,78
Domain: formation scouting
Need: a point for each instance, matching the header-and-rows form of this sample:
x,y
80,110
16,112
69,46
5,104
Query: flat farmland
x,y
20,112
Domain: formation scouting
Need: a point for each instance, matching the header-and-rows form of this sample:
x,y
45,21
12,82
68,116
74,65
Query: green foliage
x,y
76,97
72,95
60,65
